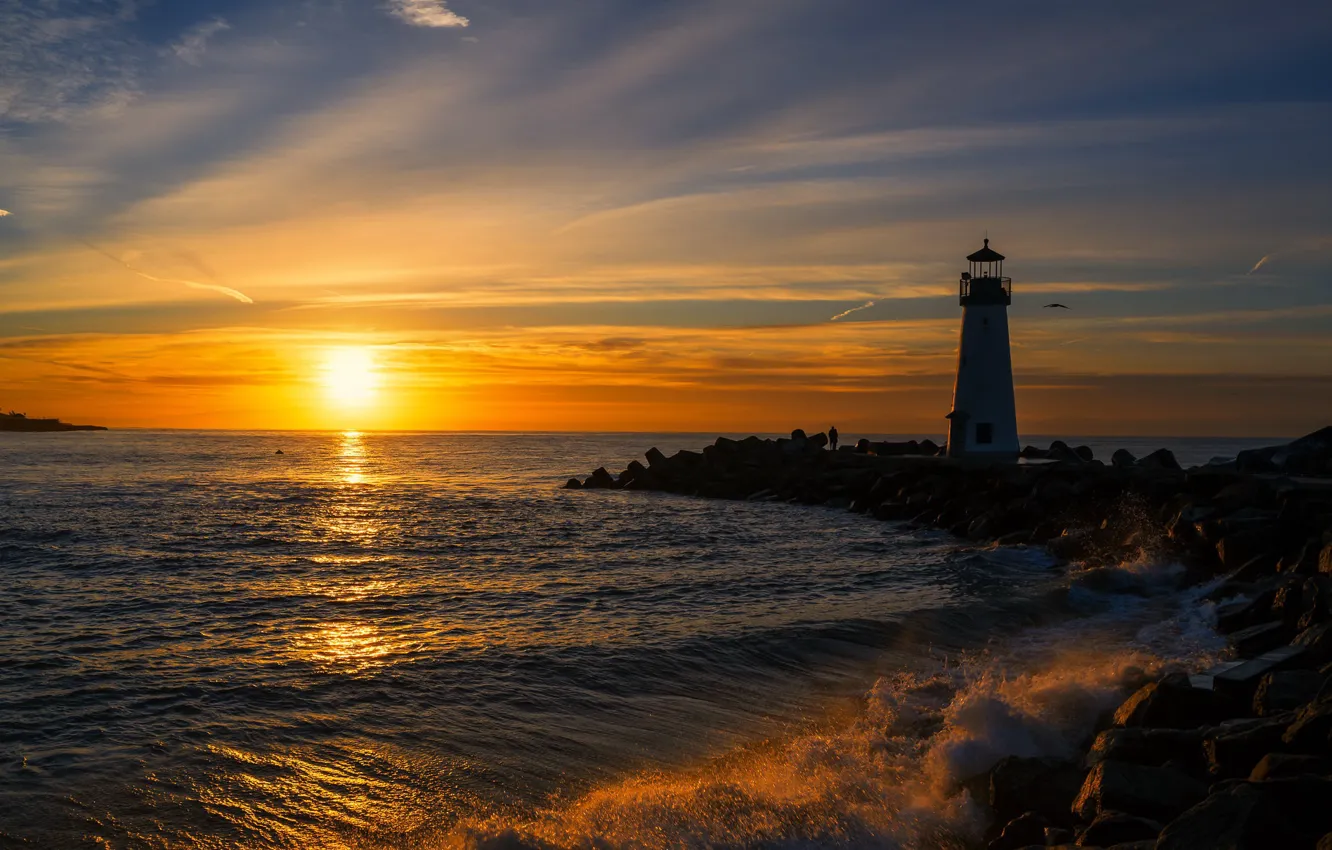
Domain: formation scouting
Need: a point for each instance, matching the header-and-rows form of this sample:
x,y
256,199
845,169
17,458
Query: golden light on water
x,y
350,376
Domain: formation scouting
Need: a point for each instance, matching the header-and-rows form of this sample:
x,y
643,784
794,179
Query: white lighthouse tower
x,y
983,421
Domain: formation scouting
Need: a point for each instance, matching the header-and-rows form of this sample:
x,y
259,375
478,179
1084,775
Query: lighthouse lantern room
x,y
983,421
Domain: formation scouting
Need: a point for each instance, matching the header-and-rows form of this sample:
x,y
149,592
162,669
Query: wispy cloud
x,y
845,313
194,43
1258,265
426,13
4,213
193,284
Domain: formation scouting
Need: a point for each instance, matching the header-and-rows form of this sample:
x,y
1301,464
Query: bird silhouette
x,y
1062,306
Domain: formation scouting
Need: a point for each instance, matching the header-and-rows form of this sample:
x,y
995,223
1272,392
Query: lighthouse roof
x,y
986,255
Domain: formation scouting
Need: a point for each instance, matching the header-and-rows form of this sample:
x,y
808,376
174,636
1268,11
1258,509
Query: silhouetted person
x,y
832,438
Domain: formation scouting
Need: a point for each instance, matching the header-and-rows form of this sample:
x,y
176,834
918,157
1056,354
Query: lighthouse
x,y
983,421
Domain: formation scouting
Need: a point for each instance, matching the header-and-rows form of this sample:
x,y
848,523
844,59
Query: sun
x,y
349,376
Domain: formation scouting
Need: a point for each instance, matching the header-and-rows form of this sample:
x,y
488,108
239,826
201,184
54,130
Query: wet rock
x,y
1240,546
600,480
1022,831
1045,786
1170,704
1232,751
1259,638
1159,459
1283,765
573,484
1153,747
1285,690
1311,730
1242,818
1111,828
1158,793
1317,643
1325,560
1123,459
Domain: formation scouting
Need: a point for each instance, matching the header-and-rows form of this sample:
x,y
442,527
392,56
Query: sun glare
x,y
349,376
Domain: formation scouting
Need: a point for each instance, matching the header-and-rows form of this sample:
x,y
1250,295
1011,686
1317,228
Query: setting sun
x,y
349,376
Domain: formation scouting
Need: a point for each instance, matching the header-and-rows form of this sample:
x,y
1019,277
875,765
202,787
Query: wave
x,y
896,772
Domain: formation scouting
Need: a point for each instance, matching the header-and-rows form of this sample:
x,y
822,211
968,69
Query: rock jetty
x,y
1238,756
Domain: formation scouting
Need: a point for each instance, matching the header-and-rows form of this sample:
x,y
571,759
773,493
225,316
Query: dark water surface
x,y
418,640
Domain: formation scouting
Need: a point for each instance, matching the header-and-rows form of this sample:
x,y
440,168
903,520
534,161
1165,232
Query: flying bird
x,y
1061,306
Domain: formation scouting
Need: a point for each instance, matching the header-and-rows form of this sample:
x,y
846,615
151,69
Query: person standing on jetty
x,y
832,438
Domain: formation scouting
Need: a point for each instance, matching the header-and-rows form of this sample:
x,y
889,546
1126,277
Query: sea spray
x,y
898,773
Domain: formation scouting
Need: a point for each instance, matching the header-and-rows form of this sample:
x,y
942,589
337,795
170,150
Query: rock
x,y
1259,638
862,446
600,480
1045,786
1123,459
1152,792
1325,843
573,484
1118,828
798,434
1285,690
1022,831
1311,731
1317,643
1242,818
818,441
1159,459
1236,548
1282,765
1325,560
1152,747
1170,704
1085,453
1033,453
655,458
1232,751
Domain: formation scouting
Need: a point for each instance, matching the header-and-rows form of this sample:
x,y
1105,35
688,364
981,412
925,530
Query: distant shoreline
x,y
18,423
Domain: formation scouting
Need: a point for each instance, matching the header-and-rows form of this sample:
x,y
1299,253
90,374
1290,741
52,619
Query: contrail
x,y
1258,265
193,284
865,306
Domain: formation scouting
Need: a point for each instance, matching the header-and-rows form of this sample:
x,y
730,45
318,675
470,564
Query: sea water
x,y
420,640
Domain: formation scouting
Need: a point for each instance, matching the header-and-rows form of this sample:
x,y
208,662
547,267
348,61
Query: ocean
x,y
420,641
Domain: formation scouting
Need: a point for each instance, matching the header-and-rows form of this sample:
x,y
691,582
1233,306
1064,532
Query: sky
x,y
698,215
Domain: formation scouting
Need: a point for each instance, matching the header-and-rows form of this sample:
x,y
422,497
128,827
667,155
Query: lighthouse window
x,y
984,433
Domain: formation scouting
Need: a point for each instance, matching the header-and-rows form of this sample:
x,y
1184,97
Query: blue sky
x,y
471,188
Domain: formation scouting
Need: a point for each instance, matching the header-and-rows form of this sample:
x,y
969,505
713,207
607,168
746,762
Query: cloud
x,y
194,43
845,313
426,13
192,284
56,64
1258,265
4,213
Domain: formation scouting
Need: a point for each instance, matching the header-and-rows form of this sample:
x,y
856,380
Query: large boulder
x,y
1240,818
1233,749
1152,747
1284,765
1317,643
1285,690
1046,786
1159,459
1159,793
1171,703
1311,730
1123,459
1116,828
1022,831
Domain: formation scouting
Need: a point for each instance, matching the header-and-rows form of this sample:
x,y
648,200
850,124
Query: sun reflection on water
x,y
349,646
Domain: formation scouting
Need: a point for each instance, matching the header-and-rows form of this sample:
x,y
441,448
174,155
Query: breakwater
x,y
1234,756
